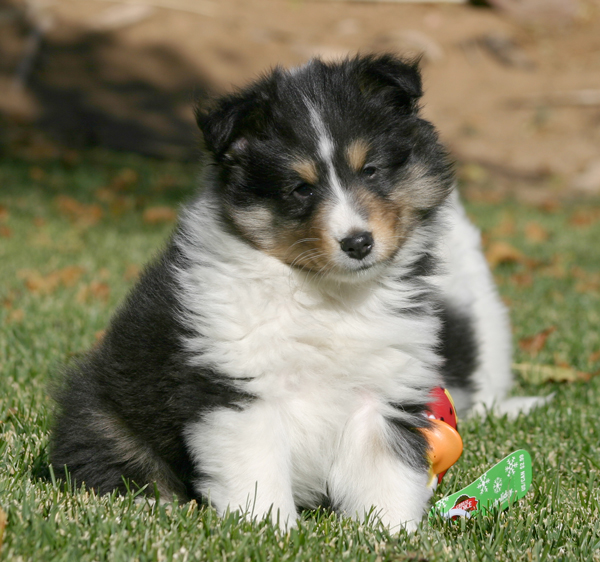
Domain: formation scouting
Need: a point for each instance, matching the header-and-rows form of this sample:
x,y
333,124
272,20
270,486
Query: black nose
x,y
358,245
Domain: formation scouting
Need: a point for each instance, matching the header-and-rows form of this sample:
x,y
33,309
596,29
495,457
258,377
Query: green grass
x,y
42,326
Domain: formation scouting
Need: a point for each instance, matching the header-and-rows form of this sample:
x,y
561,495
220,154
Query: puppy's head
x,y
328,167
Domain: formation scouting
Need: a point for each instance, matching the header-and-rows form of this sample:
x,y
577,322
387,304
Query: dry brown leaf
x,y
503,252
556,268
506,227
9,299
523,279
5,232
3,520
125,179
165,182
121,204
46,284
587,281
70,157
132,272
560,361
95,290
584,217
16,315
535,232
104,195
156,215
38,284
534,344
3,213
539,374
550,206
591,286
39,222
594,357
79,213
70,275
36,173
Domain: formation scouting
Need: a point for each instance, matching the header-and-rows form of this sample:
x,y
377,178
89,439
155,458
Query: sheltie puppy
x,y
280,352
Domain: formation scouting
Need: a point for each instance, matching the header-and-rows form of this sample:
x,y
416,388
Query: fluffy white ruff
x,y
324,359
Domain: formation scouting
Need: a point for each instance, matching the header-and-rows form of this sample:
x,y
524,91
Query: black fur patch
x,y
408,442
123,408
458,346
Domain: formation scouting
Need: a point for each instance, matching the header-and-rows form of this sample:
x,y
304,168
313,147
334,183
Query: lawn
x,y
74,231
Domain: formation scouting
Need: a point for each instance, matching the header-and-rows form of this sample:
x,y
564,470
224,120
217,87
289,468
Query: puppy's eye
x,y
369,171
303,191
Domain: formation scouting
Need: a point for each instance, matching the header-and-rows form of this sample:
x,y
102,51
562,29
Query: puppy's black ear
x,y
231,117
398,81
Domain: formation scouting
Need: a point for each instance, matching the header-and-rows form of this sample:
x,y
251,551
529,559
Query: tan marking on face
x,y
357,154
256,224
388,221
307,170
307,246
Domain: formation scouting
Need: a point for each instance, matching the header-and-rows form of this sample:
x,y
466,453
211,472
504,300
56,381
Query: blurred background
x,y
513,85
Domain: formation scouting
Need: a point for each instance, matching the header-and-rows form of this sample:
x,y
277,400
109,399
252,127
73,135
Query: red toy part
x,y
444,440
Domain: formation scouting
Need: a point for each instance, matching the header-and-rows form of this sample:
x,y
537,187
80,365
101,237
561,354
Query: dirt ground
x,y
515,97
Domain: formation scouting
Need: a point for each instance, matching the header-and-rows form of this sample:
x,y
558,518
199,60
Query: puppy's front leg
x,y
379,464
244,460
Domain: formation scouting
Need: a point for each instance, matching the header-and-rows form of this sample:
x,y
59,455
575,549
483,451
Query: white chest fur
x,y
313,352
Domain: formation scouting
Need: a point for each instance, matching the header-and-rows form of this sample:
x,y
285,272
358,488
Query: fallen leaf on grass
x,y
132,272
584,217
523,279
36,173
550,206
503,252
555,269
95,290
125,179
535,232
121,205
534,344
5,232
3,519
17,315
539,374
47,284
594,357
83,215
588,282
156,215
9,299
39,222
506,227
3,213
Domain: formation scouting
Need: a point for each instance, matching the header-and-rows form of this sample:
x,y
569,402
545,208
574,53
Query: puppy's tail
x,y
511,407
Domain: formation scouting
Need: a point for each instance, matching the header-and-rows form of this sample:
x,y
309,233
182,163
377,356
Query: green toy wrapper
x,y
497,488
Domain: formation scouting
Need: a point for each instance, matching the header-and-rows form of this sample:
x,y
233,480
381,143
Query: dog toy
x,y
445,443
500,486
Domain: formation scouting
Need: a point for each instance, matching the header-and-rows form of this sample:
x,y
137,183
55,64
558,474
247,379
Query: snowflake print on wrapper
x,y
483,482
511,467
497,485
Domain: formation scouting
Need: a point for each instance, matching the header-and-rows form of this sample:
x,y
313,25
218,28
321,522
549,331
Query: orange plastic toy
x,y
445,443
